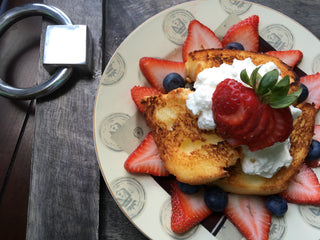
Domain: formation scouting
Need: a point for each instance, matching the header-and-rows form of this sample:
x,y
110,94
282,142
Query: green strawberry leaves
x,y
269,89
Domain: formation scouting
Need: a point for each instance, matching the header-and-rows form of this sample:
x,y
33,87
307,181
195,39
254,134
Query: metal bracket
x,y
63,73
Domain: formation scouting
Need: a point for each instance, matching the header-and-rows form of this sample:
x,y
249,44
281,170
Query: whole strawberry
x,y
257,116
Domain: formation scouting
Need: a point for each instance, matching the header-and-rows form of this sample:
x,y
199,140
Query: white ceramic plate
x,y
119,128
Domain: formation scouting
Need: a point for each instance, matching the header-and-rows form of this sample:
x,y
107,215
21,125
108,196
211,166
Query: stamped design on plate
x,y
110,125
278,36
316,64
165,221
235,7
278,228
138,132
115,70
175,25
130,195
311,214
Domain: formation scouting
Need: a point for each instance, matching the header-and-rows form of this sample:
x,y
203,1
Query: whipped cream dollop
x,y
265,162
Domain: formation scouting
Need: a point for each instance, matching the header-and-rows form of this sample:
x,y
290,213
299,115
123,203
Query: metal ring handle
x,y
60,77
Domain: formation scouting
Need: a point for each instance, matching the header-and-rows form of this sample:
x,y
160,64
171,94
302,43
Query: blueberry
x,y
304,94
188,189
216,199
173,81
276,205
235,45
314,151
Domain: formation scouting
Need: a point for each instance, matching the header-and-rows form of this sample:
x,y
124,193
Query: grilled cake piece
x,y
300,139
194,156
197,156
199,60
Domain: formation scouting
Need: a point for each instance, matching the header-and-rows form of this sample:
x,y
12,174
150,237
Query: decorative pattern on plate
x,y
278,36
129,194
175,25
165,218
235,7
110,125
278,228
115,71
311,214
138,133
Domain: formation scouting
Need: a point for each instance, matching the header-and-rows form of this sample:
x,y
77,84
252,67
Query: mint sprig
x,y
269,89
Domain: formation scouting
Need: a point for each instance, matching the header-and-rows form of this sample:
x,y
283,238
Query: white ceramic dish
x,y
119,128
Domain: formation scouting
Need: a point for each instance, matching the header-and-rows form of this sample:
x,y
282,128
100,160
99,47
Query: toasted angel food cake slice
x,y
300,139
199,60
194,156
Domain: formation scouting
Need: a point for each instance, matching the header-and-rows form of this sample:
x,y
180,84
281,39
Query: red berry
x,y
289,57
187,210
139,92
242,119
199,37
244,32
146,159
250,215
155,70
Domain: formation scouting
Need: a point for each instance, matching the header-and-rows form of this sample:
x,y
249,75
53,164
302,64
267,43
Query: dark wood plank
x,y
14,202
19,54
65,179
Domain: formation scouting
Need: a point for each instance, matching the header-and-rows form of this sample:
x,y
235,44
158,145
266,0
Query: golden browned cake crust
x,y
202,59
194,156
300,139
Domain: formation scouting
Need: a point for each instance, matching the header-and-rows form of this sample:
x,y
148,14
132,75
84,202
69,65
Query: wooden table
x,y
51,187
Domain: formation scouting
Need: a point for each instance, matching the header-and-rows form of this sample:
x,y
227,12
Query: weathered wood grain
x,y
65,179
19,54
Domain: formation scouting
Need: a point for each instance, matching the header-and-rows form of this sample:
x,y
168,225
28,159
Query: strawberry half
x,y
155,70
244,32
187,210
289,57
146,159
249,214
304,188
199,37
312,82
242,119
139,92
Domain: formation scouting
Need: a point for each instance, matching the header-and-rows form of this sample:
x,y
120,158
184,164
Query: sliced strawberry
x,y
199,37
252,20
187,210
279,128
155,70
312,82
233,106
246,35
289,57
244,32
146,159
139,92
304,188
249,214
